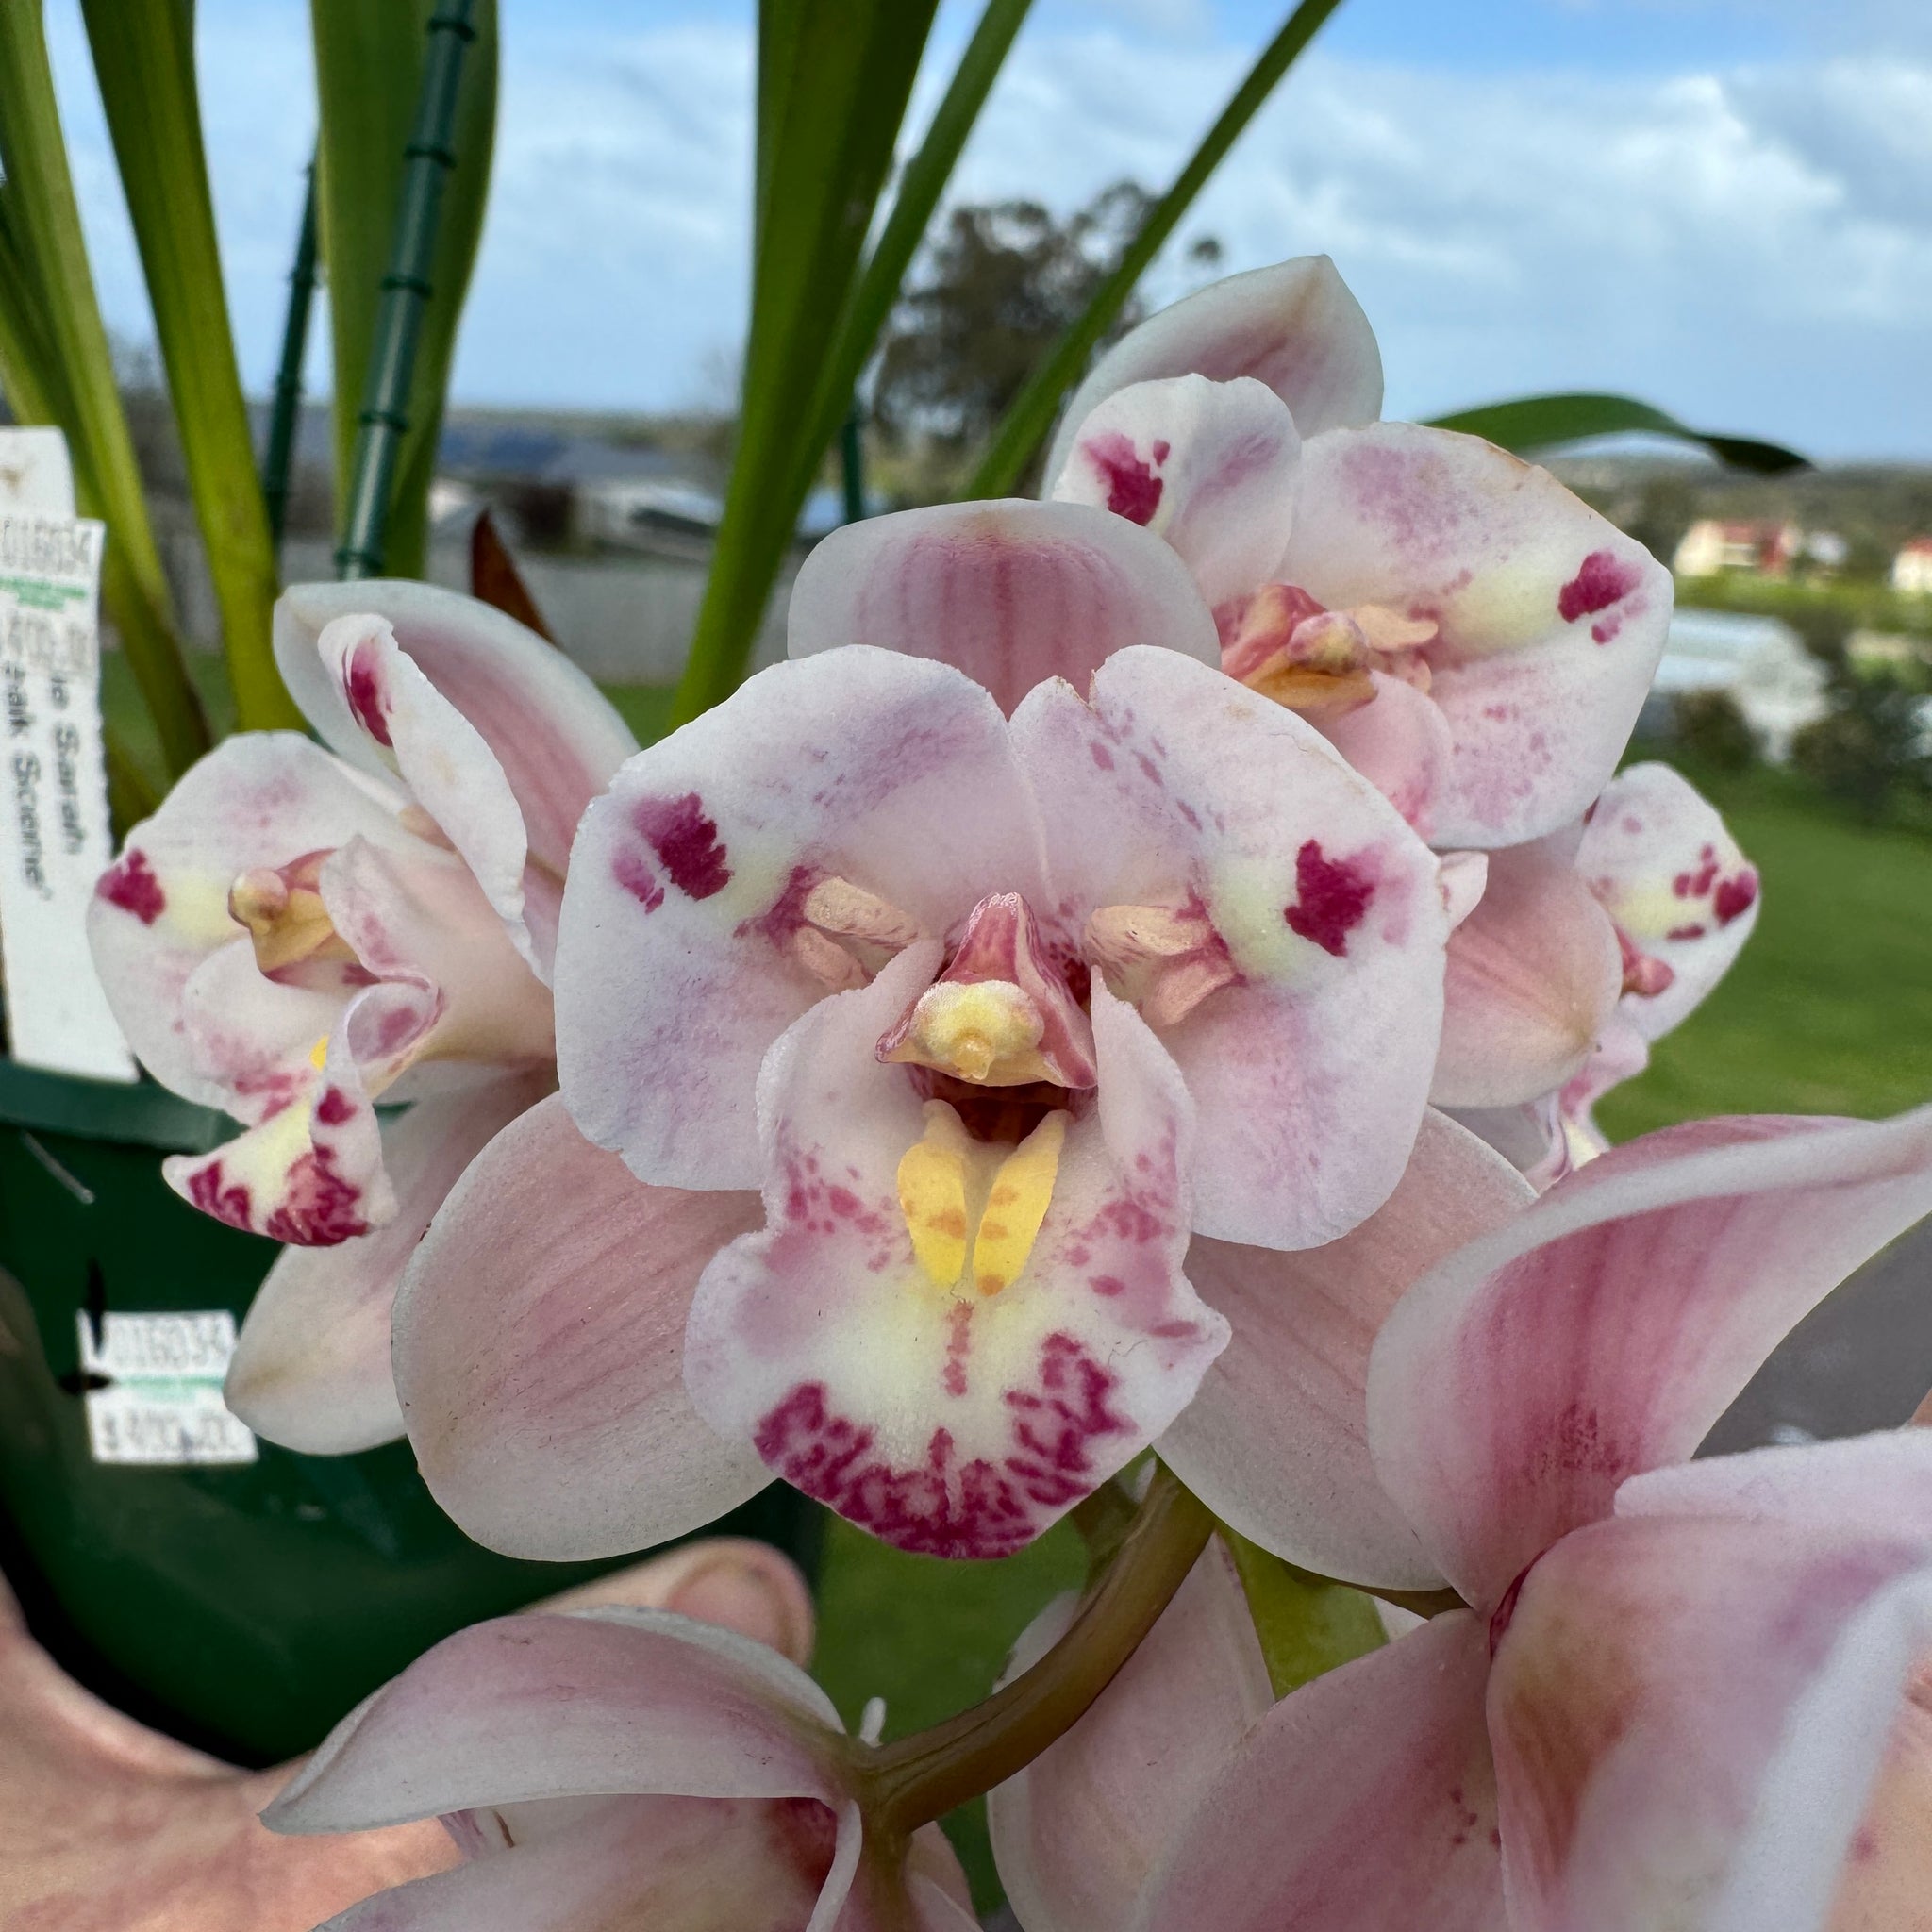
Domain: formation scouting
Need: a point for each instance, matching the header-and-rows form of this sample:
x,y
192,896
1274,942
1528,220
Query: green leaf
x,y
369,59
59,369
1533,423
830,104
143,52
1030,414
1306,1624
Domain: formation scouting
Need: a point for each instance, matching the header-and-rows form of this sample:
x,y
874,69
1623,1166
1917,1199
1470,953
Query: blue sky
x,y
1723,206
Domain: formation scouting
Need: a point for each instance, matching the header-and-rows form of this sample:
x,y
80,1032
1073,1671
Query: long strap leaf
x,y
1031,413
143,55
369,58
1533,423
833,85
285,411
76,383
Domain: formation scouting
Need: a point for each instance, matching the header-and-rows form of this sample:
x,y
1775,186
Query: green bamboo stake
x,y
285,414
1031,413
852,464
405,291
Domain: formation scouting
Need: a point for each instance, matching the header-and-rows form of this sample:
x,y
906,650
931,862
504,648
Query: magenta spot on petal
x,y
1160,450
229,1203
958,1346
363,686
1601,581
686,843
1331,898
131,885
842,1201
1109,1285
1685,932
1133,491
1101,755
334,1107
637,879
1735,896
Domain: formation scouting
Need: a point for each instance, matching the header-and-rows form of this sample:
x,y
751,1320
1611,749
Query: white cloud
x,y
1752,247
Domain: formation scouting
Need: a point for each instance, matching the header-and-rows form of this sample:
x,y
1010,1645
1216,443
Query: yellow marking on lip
x,y
940,1178
318,1054
932,1194
1016,1205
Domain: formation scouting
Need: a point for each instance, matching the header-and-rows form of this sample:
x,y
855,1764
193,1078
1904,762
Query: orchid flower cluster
x,y
1137,975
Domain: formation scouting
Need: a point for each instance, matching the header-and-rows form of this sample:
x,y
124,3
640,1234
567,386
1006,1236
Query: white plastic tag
x,y
55,837
154,1389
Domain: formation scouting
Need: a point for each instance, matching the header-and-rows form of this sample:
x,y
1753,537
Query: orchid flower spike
x,y
994,1012
618,1767
1585,947
1691,1694
300,933
1471,636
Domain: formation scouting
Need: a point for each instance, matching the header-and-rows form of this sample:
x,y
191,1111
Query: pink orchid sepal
x,y
616,1766
299,934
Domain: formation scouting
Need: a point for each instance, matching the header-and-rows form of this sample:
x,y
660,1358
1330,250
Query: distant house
x,y
1912,569
1710,547
1760,662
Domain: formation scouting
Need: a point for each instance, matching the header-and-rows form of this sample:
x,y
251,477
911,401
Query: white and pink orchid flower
x,y
618,1767
299,933
1475,638
1686,1693
994,1011
1585,947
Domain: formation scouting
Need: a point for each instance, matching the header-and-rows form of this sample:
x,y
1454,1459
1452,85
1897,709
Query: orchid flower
x,y
994,1012
299,933
1585,947
1684,1693
1471,636
618,1767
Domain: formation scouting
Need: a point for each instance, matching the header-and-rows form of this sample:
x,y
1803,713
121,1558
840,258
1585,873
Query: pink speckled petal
x,y
941,1418
160,913
1603,1331
1276,1442
679,967
1294,327
1552,621
605,1702
312,1369
1872,1485
538,1336
1210,467
548,727
1077,1834
1366,1798
1008,592
1690,1715
1657,856
1534,975
665,1863
1177,786
1401,743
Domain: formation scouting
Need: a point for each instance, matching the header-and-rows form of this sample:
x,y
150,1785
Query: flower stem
x,y
922,1777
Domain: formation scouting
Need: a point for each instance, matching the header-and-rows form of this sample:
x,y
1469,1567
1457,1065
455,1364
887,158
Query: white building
x,y
1761,662
1912,569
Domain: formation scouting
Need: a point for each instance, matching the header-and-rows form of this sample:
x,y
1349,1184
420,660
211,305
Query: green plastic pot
x,y
242,1608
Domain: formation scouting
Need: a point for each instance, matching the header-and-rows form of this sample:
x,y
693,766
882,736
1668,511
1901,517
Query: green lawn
x,y
1828,1010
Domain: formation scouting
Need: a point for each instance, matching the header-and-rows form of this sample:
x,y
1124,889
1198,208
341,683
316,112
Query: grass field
x,y
1828,1011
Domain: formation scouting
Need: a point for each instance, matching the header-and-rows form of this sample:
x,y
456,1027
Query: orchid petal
x,y
1550,620
1276,1442
1077,1834
1401,743
672,1864
1690,1714
538,1333
553,735
1532,1138
1657,856
1366,1798
1294,327
1178,788
1209,467
1604,1330
1534,973
263,798
943,1417
312,1369
679,967
1008,592
605,1702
